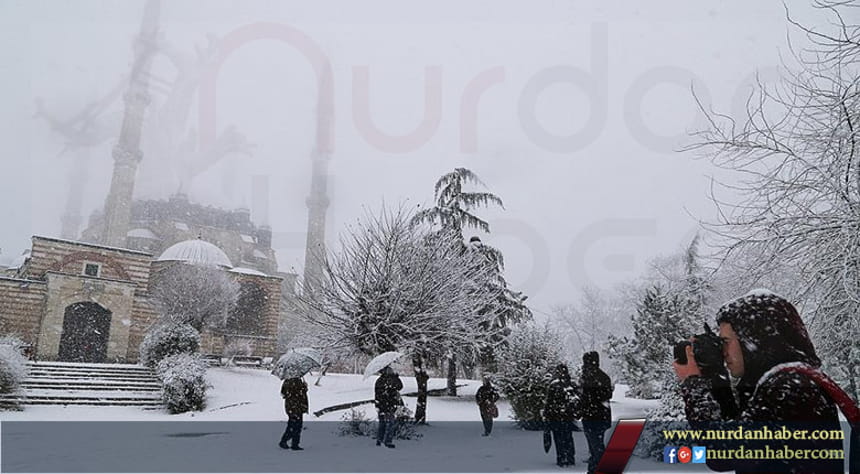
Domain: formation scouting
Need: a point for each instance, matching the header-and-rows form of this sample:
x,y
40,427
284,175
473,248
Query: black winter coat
x,y
771,334
486,397
295,393
562,401
596,393
387,393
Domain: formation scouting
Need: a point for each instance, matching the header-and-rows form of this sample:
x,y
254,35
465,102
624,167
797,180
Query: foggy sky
x,y
591,211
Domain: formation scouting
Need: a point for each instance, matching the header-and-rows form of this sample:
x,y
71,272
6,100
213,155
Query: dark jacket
x,y
596,390
295,393
486,397
387,393
562,398
771,333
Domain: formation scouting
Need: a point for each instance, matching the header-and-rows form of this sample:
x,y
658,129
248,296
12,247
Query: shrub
x,y
356,423
526,364
183,377
166,339
13,364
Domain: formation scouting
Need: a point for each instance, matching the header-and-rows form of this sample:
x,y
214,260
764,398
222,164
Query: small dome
x,y
196,252
248,271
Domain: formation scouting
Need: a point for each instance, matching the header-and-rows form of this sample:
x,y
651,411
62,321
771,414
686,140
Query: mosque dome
x,y
196,252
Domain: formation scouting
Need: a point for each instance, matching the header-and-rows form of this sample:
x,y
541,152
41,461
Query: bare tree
x,y
196,295
799,192
394,286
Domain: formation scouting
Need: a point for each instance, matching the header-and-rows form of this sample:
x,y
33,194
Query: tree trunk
x,y
452,376
421,378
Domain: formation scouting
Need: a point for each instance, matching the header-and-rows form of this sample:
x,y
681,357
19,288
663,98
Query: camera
x,y
707,349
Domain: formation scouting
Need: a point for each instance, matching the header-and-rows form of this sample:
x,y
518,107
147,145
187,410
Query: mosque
x,y
88,299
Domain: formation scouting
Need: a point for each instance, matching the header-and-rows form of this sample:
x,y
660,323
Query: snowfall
x,y
240,428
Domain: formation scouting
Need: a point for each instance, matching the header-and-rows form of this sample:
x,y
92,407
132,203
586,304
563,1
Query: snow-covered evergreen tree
x,y
525,370
645,355
671,310
452,213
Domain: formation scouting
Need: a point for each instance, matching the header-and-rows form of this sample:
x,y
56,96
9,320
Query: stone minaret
x,y
318,200
126,153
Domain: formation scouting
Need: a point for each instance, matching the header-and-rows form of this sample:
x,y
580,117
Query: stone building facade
x,y
78,301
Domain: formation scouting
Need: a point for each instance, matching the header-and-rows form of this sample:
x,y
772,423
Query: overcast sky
x,y
580,106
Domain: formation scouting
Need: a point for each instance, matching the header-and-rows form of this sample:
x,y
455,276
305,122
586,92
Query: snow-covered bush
x,y
13,364
183,377
668,415
356,423
166,339
526,365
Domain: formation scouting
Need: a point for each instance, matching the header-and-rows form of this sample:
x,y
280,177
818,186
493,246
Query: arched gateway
x,y
86,327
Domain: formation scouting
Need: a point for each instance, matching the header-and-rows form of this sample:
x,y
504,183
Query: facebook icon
x,y
670,454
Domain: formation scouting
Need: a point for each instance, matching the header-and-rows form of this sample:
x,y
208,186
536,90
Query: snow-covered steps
x,y
63,383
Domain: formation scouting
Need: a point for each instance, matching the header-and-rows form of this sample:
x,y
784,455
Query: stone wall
x,y
63,256
22,303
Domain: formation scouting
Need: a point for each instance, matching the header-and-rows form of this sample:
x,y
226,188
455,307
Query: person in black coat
x,y
762,333
295,393
560,412
594,408
387,399
486,397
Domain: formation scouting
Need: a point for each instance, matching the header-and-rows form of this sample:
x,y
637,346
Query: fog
x,y
582,108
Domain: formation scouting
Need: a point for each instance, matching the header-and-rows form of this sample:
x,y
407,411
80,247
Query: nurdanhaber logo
x,y
699,454
684,454
670,454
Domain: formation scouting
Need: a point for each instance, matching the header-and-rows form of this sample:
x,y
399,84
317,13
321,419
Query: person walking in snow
x,y
766,346
560,411
595,410
486,397
387,399
295,393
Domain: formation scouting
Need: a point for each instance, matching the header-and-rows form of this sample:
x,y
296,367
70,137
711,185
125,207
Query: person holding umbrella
x,y
291,367
295,393
387,399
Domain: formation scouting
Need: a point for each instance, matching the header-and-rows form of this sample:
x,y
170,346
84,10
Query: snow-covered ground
x,y
215,440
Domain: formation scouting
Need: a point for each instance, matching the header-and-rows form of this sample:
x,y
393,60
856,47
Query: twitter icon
x,y
699,454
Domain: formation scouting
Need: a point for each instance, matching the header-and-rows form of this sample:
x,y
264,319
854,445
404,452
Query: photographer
x,y
760,333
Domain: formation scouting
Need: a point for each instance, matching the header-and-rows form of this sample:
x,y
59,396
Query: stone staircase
x,y
65,383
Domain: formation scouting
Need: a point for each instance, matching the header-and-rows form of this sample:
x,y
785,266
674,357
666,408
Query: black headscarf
x,y
770,332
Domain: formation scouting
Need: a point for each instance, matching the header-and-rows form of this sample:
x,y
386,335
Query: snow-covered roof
x,y
247,238
181,226
259,254
196,252
248,271
142,234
